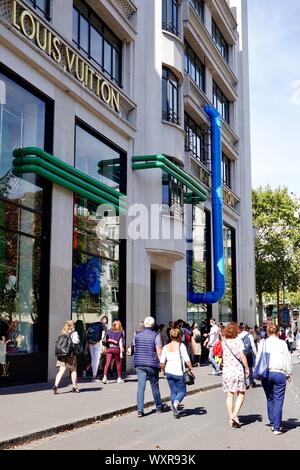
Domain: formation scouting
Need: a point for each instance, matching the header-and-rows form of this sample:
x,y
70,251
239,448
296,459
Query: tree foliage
x,y
276,217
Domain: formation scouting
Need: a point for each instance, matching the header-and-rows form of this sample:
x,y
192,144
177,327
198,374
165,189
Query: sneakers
x,y
104,380
163,408
215,372
277,433
94,379
120,381
140,414
175,405
84,374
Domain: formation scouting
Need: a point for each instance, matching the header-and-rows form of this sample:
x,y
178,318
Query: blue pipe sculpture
x,y
217,220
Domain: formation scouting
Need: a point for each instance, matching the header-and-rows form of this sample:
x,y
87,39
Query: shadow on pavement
x,y
249,419
290,424
193,411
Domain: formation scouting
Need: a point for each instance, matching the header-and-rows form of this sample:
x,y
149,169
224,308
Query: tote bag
x,y
261,371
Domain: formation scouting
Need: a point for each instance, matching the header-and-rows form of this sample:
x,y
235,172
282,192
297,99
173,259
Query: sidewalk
x,y
32,411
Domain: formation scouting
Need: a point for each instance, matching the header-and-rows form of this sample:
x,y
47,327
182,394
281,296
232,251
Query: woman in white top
x,y
280,369
298,343
173,358
68,362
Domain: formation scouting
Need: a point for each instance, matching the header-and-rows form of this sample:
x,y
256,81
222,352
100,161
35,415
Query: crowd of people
x,y
233,351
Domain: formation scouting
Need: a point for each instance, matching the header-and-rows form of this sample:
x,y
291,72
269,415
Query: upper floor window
x,y
96,40
42,6
170,97
194,67
198,6
221,102
170,16
220,42
226,171
173,194
195,139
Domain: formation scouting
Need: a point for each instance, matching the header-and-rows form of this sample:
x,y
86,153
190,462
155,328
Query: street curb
x,y
35,436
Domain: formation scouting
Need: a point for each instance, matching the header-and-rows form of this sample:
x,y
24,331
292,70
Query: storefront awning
x,y
35,160
197,194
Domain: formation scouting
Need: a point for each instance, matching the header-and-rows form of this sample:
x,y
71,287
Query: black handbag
x,y
77,349
188,377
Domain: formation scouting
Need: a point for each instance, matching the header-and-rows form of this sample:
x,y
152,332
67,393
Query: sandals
x,y
75,390
55,390
235,421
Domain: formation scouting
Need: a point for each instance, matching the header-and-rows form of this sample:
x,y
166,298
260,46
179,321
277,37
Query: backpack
x,y
247,344
94,333
63,346
218,349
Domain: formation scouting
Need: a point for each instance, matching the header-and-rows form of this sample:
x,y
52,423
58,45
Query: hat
x,y
149,322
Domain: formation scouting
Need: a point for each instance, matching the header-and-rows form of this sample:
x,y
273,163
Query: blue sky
x,y
274,41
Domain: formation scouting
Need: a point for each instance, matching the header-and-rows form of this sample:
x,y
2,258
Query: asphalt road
x,y
203,425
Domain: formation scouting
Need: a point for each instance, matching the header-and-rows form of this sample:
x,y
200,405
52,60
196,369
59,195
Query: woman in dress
x,y
195,349
235,371
68,362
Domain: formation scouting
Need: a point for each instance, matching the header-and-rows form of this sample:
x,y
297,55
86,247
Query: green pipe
x,y
183,174
17,171
32,160
29,151
162,166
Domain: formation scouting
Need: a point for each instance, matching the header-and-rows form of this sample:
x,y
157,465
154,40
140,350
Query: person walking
x,y
195,348
173,358
212,338
235,368
249,351
280,369
116,345
298,343
290,340
68,362
147,351
93,337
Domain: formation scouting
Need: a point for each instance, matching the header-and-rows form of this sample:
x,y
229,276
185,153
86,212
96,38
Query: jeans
x,y
150,373
211,357
95,357
177,387
250,361
274,388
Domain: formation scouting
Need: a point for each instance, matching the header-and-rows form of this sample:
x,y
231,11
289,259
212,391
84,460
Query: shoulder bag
x,y
261,371
188,378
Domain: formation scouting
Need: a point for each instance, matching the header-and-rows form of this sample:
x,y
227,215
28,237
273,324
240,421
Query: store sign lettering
x,y
60,52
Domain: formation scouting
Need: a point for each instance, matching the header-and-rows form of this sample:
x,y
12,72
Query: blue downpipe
x,y
217,219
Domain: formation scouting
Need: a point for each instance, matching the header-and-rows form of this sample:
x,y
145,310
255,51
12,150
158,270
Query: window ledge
x,y
177,126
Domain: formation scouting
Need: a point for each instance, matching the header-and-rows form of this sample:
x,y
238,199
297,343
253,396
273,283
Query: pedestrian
x,y
212,338
298,343
171,325
147,351
68,362
280,369
93,337
116,345
163,334
290,340
103,342
249,351
173,360
195,349
235,369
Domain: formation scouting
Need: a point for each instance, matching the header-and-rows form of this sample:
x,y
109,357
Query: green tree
x,y
276,217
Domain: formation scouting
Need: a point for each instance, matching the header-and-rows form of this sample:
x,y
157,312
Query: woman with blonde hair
x,y
116,344
173,359
69,362
235,371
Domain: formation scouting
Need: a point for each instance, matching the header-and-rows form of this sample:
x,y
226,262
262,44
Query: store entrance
x,y
161,295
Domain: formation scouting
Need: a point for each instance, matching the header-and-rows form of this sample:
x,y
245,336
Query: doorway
x,y
161,295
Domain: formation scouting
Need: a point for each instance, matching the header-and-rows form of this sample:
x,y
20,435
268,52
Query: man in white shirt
x,y
212,338
249,351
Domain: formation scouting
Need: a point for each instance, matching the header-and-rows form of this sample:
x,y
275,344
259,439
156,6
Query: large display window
x,y
228,304
99,261
25,120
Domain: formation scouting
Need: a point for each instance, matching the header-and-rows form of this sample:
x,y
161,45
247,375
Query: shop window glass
x,y
197,272
227,305
41,6
22,202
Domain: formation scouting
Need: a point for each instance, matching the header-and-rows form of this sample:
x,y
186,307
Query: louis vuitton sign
x,y
47,41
